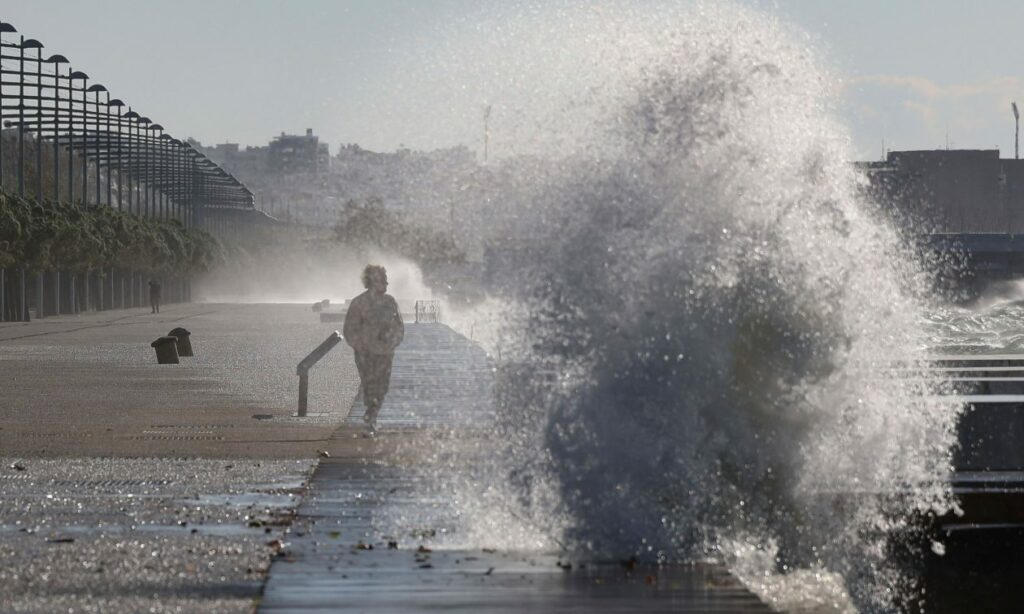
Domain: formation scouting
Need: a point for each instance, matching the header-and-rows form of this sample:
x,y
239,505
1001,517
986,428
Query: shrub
x,y
53,235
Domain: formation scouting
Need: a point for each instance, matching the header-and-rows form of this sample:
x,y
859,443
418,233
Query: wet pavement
x,y
128,486
371,538
439,379
378,530
141,535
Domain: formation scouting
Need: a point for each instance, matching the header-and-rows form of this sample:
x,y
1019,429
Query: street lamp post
x,y
40,274
5,28
159,202
144,153
168,175
72,125
96,89
39,142
21,113
25,44
85,145
116,103
1016,131
131,116
56,60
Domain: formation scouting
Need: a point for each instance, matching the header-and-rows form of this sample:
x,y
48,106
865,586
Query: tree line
x,y
48,235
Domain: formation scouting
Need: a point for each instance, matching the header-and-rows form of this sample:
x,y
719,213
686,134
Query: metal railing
x,y
428,311
307,363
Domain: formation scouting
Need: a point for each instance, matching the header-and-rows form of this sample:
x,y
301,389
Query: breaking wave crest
x,y
701,304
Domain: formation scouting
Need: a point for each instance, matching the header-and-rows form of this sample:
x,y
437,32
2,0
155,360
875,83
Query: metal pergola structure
x,y
100,152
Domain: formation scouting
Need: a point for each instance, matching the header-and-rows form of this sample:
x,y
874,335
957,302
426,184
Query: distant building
x,y
952,191
295,178
967,203
293,153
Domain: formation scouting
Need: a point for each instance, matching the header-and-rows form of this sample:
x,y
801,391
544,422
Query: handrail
x,y
308,363
428,311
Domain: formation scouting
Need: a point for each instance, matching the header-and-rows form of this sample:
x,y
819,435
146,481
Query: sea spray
x,y
701,305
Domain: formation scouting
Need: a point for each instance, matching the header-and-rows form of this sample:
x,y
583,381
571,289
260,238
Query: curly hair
x,y
371,271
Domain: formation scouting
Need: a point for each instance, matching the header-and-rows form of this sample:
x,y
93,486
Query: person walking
x,y
373,328
154,295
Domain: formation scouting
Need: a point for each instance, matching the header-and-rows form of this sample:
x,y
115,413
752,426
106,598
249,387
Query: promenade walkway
x,y
126,480
439,378
128,486
89,385
370,534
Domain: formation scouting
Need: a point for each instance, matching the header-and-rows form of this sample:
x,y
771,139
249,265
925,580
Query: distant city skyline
x,y
916,75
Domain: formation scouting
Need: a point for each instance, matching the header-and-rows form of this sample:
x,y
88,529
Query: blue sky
x,y
918,70
245,70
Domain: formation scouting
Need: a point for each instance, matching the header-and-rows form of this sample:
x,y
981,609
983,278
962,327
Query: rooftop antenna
x,y
487,133
1016,131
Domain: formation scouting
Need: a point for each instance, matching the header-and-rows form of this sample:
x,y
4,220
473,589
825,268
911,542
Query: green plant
x,y
54,235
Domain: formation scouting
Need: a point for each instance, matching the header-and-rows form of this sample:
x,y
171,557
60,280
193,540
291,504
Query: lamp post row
x,y
157,175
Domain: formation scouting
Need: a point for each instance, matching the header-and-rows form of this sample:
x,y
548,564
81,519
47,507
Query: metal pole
x,y
4,27
39,134
40,276
73,278
145,169
21,164
56,169
110,173
159,171
96,136
85,152
179,180
3,295
86,277
165,204
303,394
71,139
131,182
120,168
21,119
56,131
1016,132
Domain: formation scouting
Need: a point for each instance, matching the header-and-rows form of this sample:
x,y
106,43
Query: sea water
x,y
693,338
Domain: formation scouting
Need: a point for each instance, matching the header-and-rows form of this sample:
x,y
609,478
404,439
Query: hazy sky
x,y
246,70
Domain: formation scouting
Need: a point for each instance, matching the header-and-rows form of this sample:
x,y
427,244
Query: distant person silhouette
x,y
374,328
154,295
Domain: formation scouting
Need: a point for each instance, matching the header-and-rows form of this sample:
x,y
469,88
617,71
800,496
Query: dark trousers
x,y
375,377
154,302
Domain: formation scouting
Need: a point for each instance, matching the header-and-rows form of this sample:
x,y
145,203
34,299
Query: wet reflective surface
x,y
366,539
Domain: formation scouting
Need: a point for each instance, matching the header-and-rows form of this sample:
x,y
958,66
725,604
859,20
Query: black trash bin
x,y
166,350
184,342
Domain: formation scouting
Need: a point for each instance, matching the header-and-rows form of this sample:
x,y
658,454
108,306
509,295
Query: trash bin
x,y
184,343
166,350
